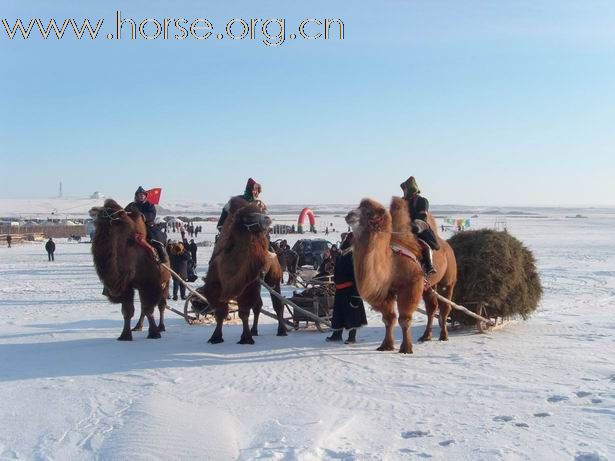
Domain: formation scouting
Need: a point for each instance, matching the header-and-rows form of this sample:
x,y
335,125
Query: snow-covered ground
x,y
541,390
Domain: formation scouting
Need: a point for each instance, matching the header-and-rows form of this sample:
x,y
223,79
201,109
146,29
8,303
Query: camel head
x,y
249,217
369,217
109,212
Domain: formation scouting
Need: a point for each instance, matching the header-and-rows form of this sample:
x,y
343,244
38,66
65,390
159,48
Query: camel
x,y
240,257
387,269
288,260
123,266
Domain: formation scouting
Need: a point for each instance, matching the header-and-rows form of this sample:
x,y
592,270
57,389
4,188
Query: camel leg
x,y
445,310
128,310
221,314
431,303
407,302
246,335
153,331
139,325
162,306
388,317
278,307
256,310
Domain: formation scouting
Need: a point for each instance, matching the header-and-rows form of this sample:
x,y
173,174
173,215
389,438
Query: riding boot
x,y
142,242
160,250
336,336
352,336
428,261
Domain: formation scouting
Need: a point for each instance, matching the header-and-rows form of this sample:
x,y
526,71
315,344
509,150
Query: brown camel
x,y
123,266
288,260
241,256
387,269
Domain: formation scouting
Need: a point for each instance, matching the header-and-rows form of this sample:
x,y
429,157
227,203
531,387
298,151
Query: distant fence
x,y
23,232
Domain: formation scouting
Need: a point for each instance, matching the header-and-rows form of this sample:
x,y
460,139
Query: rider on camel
x,y
418,208
154,236
250,194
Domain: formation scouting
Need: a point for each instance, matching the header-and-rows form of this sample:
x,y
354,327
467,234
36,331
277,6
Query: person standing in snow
x,y
180,259
192,247
348,309
50,247
9,239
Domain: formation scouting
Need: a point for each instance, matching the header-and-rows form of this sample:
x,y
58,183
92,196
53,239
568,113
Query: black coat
x,y
148,210
418,207
193,249
50,246
179,263
348,308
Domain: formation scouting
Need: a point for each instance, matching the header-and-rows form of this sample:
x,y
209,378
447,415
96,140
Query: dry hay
x,y
495,271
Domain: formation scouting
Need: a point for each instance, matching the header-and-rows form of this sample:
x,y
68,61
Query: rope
x,y
465,310
111,216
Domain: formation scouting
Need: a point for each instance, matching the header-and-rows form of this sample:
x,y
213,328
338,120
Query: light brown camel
x,y
387,269
123,266
241,256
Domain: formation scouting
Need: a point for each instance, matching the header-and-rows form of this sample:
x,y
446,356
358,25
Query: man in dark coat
x,y
50,247
180,258
193,249
418,207
348,309
250,194
9,239
154,235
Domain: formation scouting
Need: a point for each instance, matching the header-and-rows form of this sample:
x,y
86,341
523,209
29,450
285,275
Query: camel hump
x,y
400,215
433,224
110,203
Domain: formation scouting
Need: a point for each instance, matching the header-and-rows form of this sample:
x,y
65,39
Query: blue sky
x,y
485,102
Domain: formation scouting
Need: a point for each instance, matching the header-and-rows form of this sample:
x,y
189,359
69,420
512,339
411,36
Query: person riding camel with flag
x,y
418,207
155,237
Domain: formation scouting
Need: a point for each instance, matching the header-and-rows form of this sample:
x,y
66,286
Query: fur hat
x,y
140,190
410,187
250,184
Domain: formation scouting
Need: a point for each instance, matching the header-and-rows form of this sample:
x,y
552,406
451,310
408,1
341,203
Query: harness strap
x,y
403,251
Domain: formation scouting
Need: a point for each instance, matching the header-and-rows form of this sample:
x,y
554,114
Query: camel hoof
x,y
216,340
405,350
138,328
246,341
161,327
386,348
282,333
125,337
154,335
254,332
443,338
424,338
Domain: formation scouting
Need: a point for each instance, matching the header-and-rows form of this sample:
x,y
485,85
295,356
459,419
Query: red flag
x,y
153,196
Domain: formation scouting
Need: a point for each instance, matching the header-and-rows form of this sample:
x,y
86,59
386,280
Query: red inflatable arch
x,y
310,214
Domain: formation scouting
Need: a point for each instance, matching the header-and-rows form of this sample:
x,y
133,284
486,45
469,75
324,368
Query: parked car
x,y
311,251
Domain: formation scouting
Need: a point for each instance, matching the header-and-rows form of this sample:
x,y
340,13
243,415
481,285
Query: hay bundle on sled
x,y
497,276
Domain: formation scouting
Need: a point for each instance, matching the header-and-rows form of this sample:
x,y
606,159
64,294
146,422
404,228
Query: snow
x,y
542,389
